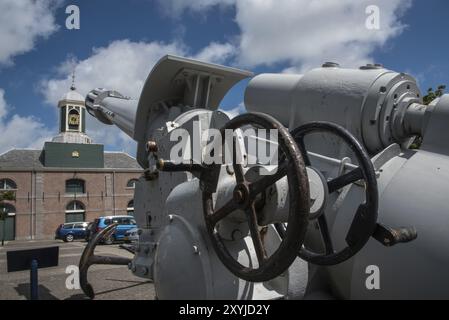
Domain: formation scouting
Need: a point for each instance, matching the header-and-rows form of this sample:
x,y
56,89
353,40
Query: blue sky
x,y
290,36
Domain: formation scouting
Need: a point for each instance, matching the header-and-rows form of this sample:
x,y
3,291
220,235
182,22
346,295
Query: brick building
x,y
70,179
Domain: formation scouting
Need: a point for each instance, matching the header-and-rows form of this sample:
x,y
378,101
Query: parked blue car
x,y
71,231
125,223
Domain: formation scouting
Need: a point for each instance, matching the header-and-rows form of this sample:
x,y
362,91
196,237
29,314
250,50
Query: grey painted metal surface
x,y
110,107
382,108
363,101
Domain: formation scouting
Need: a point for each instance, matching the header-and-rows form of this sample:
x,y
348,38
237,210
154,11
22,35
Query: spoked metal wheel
x,y
364,222
244,198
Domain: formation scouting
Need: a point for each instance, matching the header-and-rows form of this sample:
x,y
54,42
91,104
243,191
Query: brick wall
x,y
44,194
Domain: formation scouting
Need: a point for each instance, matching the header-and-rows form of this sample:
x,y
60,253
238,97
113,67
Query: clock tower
x,y
72,111
72,147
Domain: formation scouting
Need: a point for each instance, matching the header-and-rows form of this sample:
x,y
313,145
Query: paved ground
x,y
109,282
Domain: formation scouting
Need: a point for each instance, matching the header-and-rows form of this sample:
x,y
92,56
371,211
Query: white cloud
x,y
123,66
240,109
216,52
3,104
20,132
304,33
22,23
300,33
175,8
110,136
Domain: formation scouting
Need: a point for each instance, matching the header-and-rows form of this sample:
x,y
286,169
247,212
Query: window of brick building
x,y
75,186
75,212
130,208
7,184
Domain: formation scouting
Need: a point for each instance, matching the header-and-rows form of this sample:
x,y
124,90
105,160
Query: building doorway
x,y
9,224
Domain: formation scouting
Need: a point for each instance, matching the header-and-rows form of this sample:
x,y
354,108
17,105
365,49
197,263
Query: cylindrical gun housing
x,y
364,100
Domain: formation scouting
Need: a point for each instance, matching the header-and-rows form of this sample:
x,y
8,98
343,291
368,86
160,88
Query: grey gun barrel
x,y
111,107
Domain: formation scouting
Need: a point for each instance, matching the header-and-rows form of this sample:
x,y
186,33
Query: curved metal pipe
x,y
88,258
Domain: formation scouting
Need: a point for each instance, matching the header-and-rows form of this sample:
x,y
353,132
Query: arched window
x,y
130,208
7,208
75,206
75,212
7,184
75,186
131,183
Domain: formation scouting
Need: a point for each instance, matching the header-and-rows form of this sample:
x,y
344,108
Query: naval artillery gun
x,y
344,190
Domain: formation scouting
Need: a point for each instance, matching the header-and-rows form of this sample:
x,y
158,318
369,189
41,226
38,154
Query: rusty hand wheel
x,y
365,219
244,198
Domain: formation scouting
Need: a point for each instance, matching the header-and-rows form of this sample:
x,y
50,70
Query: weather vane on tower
x,y
72,87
